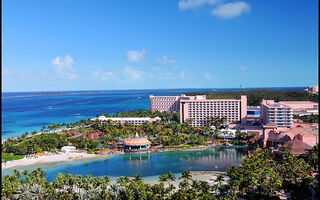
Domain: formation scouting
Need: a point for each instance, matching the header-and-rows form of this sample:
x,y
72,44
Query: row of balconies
x,y
215,102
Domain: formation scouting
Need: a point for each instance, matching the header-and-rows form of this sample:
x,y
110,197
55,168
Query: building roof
x,y
298,147
136,142
282,137
298,102
104,118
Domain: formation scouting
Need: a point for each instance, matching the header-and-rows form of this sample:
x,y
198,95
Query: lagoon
x,y
217,158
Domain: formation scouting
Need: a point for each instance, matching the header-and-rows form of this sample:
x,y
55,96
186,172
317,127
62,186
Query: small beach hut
x,y
136,144
68,148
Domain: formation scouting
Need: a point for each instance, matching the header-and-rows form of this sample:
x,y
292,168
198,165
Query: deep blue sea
x,y
28,111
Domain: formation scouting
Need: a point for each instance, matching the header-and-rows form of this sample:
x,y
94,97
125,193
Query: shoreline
x,y
51,159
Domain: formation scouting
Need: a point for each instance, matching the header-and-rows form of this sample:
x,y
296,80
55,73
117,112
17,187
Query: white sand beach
x,y
62,157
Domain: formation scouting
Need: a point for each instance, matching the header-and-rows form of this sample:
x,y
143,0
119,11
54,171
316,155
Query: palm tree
x,y
137,178
171,188
186,175
219,180
58,182
313,158
79,182
115,191
87,181
204,186
122,180
24,192
38,192
171,176
163,178
184,184
92,193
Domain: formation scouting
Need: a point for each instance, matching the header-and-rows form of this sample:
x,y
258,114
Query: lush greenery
x,y
44,142
168,132
254,97
34,185
313,158
11,156
260,176
308,118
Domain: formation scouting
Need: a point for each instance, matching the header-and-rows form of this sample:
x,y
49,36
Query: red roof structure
x,y
298,147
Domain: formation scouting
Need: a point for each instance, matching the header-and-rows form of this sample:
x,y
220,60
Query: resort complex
x,y
215,133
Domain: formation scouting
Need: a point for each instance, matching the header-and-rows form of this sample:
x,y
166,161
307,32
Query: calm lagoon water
x,y
28,111
148,164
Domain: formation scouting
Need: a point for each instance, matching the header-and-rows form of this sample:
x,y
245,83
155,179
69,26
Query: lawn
x,y
11,156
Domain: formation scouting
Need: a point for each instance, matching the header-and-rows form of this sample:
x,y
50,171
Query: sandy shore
x,y
209,176
62,157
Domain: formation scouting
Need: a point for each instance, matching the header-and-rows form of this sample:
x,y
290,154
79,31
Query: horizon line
x,y
155,89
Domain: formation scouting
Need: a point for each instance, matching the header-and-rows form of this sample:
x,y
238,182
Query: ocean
x,y
29,111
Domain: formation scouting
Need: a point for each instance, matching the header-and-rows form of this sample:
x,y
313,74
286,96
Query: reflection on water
x,y
133,157
151,164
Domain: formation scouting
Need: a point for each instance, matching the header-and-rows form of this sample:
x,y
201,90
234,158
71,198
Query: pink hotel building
x,y
199,108
278,114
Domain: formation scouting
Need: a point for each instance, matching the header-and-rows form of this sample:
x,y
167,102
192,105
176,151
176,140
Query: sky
x,y
63,45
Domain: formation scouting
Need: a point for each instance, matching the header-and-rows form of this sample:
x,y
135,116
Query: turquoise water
x,y
148,164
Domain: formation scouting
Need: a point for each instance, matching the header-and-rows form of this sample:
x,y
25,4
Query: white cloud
x,y
123,74
165,61
243,68
103,75
208,76
62,68
136,56
129,73
193,4
183,74
231,10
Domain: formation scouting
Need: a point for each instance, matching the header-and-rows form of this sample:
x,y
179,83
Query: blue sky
x,y
56,45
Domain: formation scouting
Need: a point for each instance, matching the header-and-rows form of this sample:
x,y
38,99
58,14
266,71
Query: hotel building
x,y
276,113
301,108
169,103
129,120
200,109
313,89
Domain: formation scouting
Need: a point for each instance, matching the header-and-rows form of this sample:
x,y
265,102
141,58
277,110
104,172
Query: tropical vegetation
x,y
308,118
88,134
